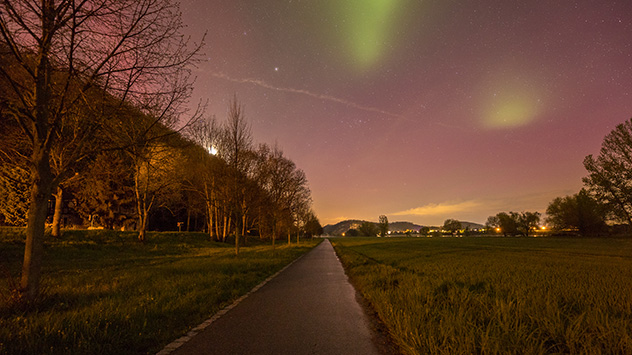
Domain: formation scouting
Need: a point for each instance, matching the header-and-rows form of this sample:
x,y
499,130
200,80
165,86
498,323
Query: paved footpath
x,y
309,308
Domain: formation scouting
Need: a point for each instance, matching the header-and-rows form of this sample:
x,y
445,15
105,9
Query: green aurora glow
x,y
368,29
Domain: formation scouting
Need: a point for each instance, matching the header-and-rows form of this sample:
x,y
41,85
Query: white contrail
x,y
305,92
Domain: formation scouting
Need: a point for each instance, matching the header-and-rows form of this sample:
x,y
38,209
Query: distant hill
x,y
403,226
472,225
343,226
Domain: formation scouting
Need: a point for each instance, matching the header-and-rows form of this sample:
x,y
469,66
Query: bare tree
x,y
235,144
312,226
287,191
155,180
206,174
302,215
298,200
383,225
249,188
105,190
66,53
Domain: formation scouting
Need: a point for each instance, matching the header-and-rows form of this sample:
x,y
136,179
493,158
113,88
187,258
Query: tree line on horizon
x,y
603,206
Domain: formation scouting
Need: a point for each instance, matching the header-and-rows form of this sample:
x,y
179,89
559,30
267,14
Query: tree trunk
x,y
211,226
42,180
143,216
209,210
188,219
274,232
209,213
237,231
289,237
215,209
143,205
59,204
244,219
143,226
141,221
36,219
260,223
224,231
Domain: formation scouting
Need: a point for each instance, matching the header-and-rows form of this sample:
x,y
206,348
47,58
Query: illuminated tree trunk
x,y
143,205
59,204
226,222
209,210
209,213
215,210
142,227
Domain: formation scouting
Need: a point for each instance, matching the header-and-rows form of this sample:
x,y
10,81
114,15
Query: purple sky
x,y
422,110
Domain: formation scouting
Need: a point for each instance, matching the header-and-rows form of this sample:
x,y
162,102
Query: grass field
x,y
104,293
497,295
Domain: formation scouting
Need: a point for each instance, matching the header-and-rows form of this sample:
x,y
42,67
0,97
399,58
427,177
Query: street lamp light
x,y
212,150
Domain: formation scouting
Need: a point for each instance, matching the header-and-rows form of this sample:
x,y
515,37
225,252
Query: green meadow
x,y
105,293
497,295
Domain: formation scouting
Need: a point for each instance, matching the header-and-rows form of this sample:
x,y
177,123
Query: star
x,y
461,70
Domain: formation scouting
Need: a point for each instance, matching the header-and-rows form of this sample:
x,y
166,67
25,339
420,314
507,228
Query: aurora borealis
x,y
422,110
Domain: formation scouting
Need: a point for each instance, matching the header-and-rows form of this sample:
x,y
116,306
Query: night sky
x,y
422,110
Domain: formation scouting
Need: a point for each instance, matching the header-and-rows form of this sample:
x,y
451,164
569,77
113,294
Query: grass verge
x,y
497,295
104,293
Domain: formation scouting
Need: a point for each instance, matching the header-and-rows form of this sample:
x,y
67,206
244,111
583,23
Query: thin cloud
x,y
434,209
263,84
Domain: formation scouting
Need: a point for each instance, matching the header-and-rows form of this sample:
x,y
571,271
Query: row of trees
x,y
606,198
93,98
241,186
209,171
514,223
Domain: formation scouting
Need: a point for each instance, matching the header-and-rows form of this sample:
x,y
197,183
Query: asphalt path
x,y
309,308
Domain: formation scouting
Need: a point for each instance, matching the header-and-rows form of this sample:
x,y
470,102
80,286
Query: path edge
x,y
382,337
171,347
